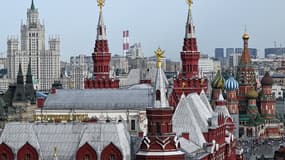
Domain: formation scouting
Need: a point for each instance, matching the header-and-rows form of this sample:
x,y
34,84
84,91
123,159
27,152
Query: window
x,y
4,156
112,157
158,129
133,124
28,156
86,157
158,95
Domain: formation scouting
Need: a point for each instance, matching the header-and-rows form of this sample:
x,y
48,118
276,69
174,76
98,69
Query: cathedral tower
x,y
101,58
160,143
189,77
245,76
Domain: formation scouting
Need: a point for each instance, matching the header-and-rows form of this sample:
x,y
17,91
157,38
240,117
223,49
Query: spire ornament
x,y
159,55
101,4
190,3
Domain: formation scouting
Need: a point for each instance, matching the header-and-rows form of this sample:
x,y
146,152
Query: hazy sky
x,y
219,23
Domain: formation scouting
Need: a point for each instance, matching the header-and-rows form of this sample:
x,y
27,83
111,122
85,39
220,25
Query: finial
x,y
101,4
159,55
189,2
32,5
245,35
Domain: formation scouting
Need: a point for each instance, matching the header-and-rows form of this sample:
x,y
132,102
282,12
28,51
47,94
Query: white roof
x,y
67,138
184,120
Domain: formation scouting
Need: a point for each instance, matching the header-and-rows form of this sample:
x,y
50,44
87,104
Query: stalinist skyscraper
x,y
45,63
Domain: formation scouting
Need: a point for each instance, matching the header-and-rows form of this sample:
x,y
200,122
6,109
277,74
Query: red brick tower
x,y
190,59
160,143
101,58
267,100
245,76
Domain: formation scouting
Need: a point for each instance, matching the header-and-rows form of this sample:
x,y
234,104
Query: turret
x,y
245,75
267,100
217,85
160,142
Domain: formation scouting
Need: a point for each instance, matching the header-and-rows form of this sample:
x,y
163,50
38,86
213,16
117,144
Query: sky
x,y
154,23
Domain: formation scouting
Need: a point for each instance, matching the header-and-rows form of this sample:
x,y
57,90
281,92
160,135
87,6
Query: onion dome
x,y
267,80
245,36
231,84
218,81
252,94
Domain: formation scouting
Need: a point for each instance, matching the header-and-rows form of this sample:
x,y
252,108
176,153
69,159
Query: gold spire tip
x,y
55,152
101,4
190,3
159,53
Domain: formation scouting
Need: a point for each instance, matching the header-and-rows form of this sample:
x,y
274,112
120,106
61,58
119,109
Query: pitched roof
x,y
67,138
96,99
184,120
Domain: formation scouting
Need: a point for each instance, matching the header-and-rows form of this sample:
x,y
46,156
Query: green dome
x,y
252,94
218,81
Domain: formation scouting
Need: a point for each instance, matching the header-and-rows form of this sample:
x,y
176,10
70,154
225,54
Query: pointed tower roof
x,y
29,76
33,5
245,57
160,98
20,78
101,28
190,29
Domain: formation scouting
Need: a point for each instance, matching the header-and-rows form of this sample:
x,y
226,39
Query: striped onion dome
x,y
218,81
231,84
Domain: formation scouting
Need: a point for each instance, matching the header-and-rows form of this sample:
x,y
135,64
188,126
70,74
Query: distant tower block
x,y
125,42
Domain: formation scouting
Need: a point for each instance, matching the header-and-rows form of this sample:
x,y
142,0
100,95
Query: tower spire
x,y
160,100
245,57
101,28
20,78
29,77
32,5
190,28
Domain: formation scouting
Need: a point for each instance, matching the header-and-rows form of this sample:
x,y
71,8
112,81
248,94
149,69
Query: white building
x,y
45,63
135,51
208,66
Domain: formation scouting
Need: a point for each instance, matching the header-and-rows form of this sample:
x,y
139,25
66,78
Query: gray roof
x,y
68,138
100,99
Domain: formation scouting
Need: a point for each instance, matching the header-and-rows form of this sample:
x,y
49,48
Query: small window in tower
x,y
28,156
112,157
158,95
158,128
133,124
86,157
4,156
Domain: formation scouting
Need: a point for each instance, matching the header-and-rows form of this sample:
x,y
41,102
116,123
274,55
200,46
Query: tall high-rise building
x,y
219,53
229,51
45,64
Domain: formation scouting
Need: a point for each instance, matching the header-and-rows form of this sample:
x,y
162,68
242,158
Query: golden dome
x,y
245,36
252,94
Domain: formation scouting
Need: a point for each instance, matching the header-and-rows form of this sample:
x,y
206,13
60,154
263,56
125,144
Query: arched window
x,y
86,152
111,152
27,152
158,95
6,152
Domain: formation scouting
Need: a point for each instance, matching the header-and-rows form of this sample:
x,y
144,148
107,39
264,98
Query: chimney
x,y
186,135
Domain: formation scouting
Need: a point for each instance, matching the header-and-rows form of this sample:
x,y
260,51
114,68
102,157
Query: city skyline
x,y
219,24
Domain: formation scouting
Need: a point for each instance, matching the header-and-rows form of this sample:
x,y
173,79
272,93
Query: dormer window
x,y
158,95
